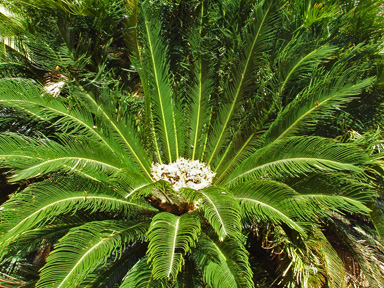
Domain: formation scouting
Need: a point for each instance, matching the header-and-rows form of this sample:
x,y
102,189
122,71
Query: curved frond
x,y
112,273
34,157
224,264
318,100
221,211
298,156
42,202
170,237
122,132
28,97
84,248
140,276
255,45
270,201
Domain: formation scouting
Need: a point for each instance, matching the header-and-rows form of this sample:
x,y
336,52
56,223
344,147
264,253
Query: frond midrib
x,y
69,158
173,246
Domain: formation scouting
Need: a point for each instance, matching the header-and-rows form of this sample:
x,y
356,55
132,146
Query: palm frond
x,y
123,132
224,264
260,31
200,91
324,96
38,157
113,272
86,247
42,202
296,156
141,276
27,96
170,237
221,211
270,201
32,240
165,117
300,65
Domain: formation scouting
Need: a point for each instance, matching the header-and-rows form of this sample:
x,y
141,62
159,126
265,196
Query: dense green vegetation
x,y
281,100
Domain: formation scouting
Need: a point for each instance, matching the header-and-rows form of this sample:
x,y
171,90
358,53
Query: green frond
x,y
170,237
26,96
31,240
131,185
221,211
334,192
336,275
84,248
130,25
113,272
122,131
353,186
290,65
323,96
166,118
260,31
42,156
224,264
296,156
270,201
140,276
42,202
199,92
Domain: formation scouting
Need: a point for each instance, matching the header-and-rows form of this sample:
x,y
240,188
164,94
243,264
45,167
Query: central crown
x,y
184,173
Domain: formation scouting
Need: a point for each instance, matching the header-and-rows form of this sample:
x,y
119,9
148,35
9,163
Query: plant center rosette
x,y
183,173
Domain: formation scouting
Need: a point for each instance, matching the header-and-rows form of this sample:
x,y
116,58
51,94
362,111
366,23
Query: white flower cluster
x,y
184,173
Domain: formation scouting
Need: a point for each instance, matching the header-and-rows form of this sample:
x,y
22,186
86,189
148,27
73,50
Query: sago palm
x,y
218,180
